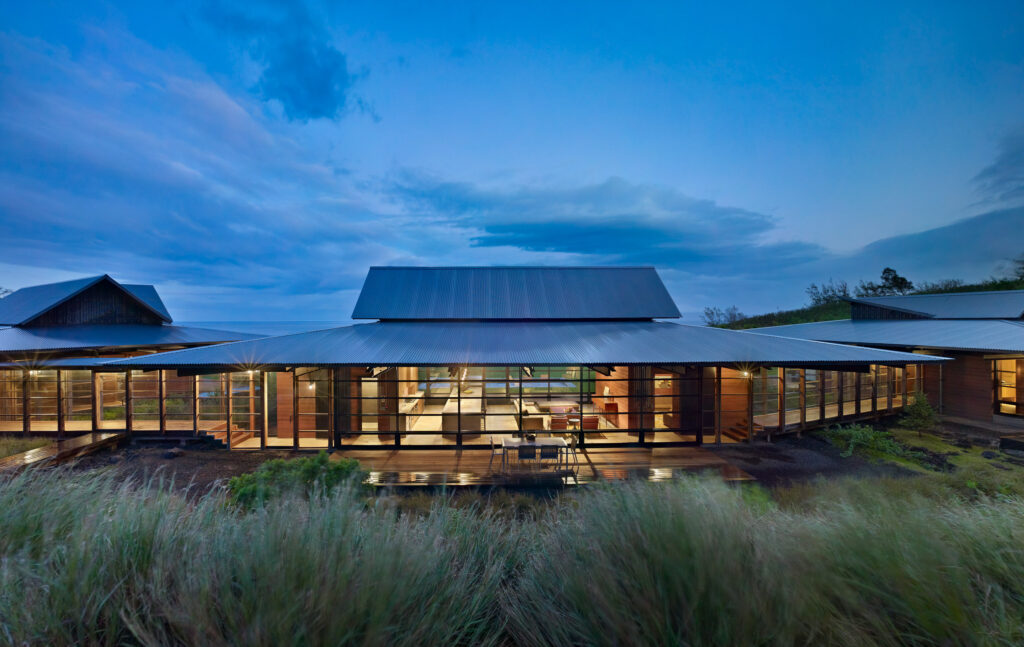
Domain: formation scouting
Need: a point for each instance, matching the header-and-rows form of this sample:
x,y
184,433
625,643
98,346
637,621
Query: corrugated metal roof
x,y
1001,304
148,295
514,293
988,335
21,306
521,343
57,338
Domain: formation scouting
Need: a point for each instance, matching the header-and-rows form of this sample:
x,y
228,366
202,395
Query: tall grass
x,y
11,445
89,559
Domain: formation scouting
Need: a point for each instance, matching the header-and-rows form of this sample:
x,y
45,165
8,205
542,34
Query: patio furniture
x,y
550,453
527,452
497,449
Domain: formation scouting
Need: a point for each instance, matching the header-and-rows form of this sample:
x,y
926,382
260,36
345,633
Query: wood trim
x,y
718,405
803,400
95,401
195,405
230,405
821,396
295,409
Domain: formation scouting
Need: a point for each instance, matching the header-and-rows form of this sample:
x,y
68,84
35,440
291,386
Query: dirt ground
x,y
790,459
196,466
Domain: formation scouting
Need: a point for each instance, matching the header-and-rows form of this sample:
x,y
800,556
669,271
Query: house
x,y
460,356
52,333
983,333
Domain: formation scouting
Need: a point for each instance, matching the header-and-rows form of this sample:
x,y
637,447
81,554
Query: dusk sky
x,y
254,159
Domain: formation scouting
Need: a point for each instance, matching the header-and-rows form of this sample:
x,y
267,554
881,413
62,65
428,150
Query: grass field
x,y
11,445
90,559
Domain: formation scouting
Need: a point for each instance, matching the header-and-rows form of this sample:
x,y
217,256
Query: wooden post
x,y
906,384
95,393
821,397
874,390
162,395
718,405
891,379
26,404
295,409
60,405
128,402
330,409
857,394
263,412
841,399
252,400
195,405
782,399
581,402
803,400
750,406
230,405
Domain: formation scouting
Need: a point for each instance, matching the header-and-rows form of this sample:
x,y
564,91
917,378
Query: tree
x,y
1017,268
944,285
892,284
831,292
919,416
719,317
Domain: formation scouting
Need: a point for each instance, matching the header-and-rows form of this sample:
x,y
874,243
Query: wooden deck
x,y
60,451
473,467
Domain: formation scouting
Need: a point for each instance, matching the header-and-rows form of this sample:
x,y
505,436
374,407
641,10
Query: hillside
x,y
841,309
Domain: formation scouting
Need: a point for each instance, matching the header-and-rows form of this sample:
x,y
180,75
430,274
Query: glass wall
x,y
1008,386
111,400
12,400
145,401
76,391
42,392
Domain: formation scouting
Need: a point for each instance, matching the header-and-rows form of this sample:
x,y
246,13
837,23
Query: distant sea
x,y
265,328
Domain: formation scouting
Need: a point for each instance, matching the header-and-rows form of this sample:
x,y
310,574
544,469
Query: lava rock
x,y
962,441
174,452
989,455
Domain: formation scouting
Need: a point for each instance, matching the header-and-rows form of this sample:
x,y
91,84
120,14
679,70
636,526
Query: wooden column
x,y
803,399
891,379
856,393
195,405
252,400
874,390
162,395
330,409
718,405
581,405
750,406
295,409
782,400
906,384
841,400
60,405
95,393
230,405
26,404
128,402
821,397
263,413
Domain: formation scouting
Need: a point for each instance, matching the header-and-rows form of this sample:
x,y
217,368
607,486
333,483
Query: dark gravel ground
x,y
790,459
196,466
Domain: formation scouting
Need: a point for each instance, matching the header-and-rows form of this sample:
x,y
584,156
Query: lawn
x,y
15,445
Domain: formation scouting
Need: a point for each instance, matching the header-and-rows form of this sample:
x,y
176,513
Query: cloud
x,y
302,68
610,221
1003,179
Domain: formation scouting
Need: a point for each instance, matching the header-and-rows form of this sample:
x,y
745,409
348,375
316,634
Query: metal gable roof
x,y
521,343
24,305
64,338
982,335
511,293
1000,304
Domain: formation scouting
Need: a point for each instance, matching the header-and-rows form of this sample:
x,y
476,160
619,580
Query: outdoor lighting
x,y
746,374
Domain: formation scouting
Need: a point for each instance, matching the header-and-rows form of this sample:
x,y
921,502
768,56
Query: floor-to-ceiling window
x,y
12,400
1008,386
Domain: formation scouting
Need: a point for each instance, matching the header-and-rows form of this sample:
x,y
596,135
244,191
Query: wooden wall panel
x,y
967,390
734,389
103,303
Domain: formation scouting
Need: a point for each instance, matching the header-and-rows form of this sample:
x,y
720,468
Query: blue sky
x,y
253,159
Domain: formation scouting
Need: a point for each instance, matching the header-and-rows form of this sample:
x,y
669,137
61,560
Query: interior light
x,y
311,385
746,374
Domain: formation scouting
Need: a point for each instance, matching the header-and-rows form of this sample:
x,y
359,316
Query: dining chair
x,y
496,450
548,453
527,453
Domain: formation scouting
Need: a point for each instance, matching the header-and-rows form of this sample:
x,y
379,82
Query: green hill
x,y
841,309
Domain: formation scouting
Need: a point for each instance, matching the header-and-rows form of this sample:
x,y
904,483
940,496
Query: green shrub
x,y
919,415
865,440
295,476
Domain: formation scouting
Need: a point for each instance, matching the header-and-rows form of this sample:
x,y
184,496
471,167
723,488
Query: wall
x,y
967,389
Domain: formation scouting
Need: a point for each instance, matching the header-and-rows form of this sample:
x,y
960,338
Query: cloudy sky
x,y
253,159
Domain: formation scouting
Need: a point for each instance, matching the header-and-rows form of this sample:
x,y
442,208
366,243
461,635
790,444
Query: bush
x,y
295,476
865,440
919,415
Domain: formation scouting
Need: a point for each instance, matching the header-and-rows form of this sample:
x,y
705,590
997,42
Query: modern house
x,y
75,325
461,356
983,333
